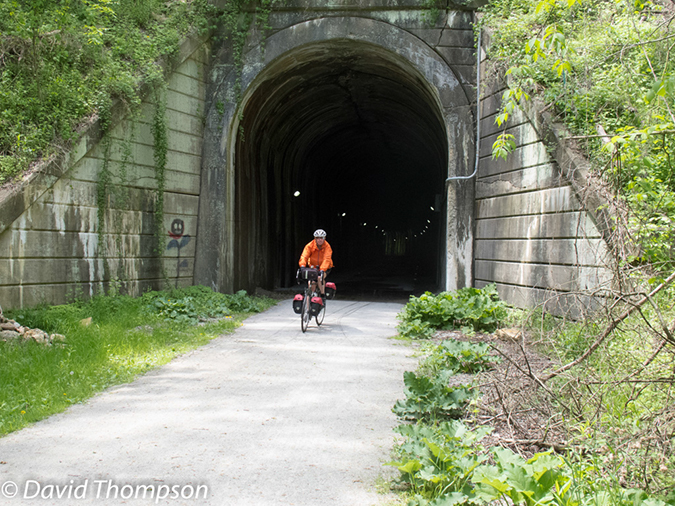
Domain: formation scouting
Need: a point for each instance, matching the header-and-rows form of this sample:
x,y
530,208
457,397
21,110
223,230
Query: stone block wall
x,y
451,35
51,247
533,239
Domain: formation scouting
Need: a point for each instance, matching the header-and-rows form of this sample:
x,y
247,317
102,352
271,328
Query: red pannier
x,y
297,303
331,289
315,306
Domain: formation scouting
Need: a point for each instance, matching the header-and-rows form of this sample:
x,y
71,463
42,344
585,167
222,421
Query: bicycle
x,y
310,306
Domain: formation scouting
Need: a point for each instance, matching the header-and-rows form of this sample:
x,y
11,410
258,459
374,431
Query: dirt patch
x,y
519,409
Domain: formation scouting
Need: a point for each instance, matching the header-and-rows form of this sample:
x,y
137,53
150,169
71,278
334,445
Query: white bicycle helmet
x,y
320,233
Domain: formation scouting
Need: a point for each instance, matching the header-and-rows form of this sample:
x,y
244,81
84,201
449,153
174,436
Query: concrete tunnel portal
x,y
345,136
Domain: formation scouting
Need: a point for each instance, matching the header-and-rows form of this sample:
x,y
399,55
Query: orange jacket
x,y
312,255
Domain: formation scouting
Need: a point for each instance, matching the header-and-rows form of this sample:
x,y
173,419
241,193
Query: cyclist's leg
x,y
304,315
323,283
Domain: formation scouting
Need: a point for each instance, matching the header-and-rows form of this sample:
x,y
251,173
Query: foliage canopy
x,y
64,62
606,69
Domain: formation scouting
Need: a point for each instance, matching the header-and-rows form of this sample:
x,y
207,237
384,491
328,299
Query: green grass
x,y
127,337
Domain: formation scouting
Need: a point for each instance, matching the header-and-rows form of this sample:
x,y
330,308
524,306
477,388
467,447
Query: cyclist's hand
x,y
321,273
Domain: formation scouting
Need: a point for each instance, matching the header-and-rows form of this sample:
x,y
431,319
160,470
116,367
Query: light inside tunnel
x,y
357,132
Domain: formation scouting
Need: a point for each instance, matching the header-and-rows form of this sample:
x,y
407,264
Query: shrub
x,y
459,357
477,309
431,398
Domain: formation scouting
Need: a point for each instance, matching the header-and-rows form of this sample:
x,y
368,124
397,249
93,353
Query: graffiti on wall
x,y
179,239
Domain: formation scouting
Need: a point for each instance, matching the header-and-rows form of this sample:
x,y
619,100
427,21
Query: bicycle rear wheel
x,y
305,316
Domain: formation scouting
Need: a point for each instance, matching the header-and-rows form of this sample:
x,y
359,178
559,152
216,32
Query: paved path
x,y
265,416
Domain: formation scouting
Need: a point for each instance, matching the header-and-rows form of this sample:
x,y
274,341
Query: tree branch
x,y
609,329
592,136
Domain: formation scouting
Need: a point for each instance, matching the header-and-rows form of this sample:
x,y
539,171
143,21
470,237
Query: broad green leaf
x,y
651,502
521,481
452,499
410,466
428,474
507,458
489,475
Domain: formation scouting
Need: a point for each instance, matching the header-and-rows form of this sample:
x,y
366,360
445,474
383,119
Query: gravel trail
x,y
265,416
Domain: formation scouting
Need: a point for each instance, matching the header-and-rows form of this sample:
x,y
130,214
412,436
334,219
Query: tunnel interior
x,y
347,137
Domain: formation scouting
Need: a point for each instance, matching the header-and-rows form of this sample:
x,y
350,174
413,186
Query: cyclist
x,y
318,254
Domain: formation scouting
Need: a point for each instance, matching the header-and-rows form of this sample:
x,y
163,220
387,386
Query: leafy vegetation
x,y
618,400
127,337
620,451
431,399
189,305
472,308
64,62
459,357
605,69
446,464
437,461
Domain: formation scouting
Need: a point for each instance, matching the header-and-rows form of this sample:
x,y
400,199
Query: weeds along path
x,y
265,416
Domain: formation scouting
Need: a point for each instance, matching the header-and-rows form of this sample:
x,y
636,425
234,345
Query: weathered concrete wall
x,y
533,238
51,248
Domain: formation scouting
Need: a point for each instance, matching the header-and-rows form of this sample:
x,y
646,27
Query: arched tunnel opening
x,y
348,137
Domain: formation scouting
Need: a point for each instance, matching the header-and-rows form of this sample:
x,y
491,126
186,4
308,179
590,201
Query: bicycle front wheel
x,y
305,316
322,313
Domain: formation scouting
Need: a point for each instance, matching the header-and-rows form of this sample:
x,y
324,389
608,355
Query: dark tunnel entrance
x,y
347,137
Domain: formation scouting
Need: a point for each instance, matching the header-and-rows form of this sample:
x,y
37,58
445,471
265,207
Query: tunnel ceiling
x,y
351,118
352,127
